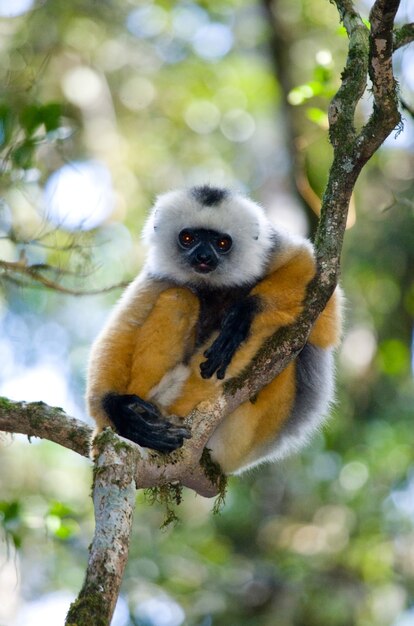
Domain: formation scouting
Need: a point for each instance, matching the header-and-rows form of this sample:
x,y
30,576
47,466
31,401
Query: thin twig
x,y
403,36
34,274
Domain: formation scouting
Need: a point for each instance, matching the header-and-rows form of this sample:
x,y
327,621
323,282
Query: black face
x,y
204,248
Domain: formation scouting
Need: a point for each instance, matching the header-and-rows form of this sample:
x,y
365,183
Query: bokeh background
x,y
103,106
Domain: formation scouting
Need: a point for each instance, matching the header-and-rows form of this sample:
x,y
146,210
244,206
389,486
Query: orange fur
x,y
242,437
328,327
159,346
112,353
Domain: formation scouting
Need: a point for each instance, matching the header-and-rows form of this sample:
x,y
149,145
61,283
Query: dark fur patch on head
x,y
209,196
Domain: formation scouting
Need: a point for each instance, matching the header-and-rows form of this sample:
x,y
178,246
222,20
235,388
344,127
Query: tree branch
x,y
37,419
351,152
403,36
114,492
385,116
33,275
120,467
406,107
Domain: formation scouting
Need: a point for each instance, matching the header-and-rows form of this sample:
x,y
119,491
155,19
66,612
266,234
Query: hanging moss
x,y
214,473
169,496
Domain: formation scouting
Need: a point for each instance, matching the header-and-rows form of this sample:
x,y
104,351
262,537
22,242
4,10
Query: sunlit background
x,y
105,105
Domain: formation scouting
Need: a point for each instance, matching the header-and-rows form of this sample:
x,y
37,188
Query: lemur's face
x,y
208,237
203,249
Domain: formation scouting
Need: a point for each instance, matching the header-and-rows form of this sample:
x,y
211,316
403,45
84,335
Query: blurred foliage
x,y
170,94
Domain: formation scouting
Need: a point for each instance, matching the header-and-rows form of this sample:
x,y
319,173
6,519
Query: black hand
x,y
142,422
234,330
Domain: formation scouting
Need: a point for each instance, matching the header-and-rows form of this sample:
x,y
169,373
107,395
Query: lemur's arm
x,y
144,338
111,356
274,302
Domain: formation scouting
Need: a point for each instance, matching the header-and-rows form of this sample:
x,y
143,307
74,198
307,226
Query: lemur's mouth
x,y
204,268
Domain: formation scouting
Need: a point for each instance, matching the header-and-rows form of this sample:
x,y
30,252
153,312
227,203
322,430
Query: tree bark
x,y
37,419
114,492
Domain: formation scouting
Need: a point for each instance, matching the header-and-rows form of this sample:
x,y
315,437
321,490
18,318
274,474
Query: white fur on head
x,y
231,213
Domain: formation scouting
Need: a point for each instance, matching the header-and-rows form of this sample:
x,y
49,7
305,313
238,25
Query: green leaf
x,y
11,520
67,530
59,509
322,74
318,116
33,116
51,115
22,156
10,510
30,118
393,357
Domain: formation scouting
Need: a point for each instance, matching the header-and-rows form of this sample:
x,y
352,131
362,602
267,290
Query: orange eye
x,y
186,238
224,243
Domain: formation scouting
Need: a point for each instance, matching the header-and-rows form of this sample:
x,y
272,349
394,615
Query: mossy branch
x,y
403,36
369,53
37,419
120,467
114,492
